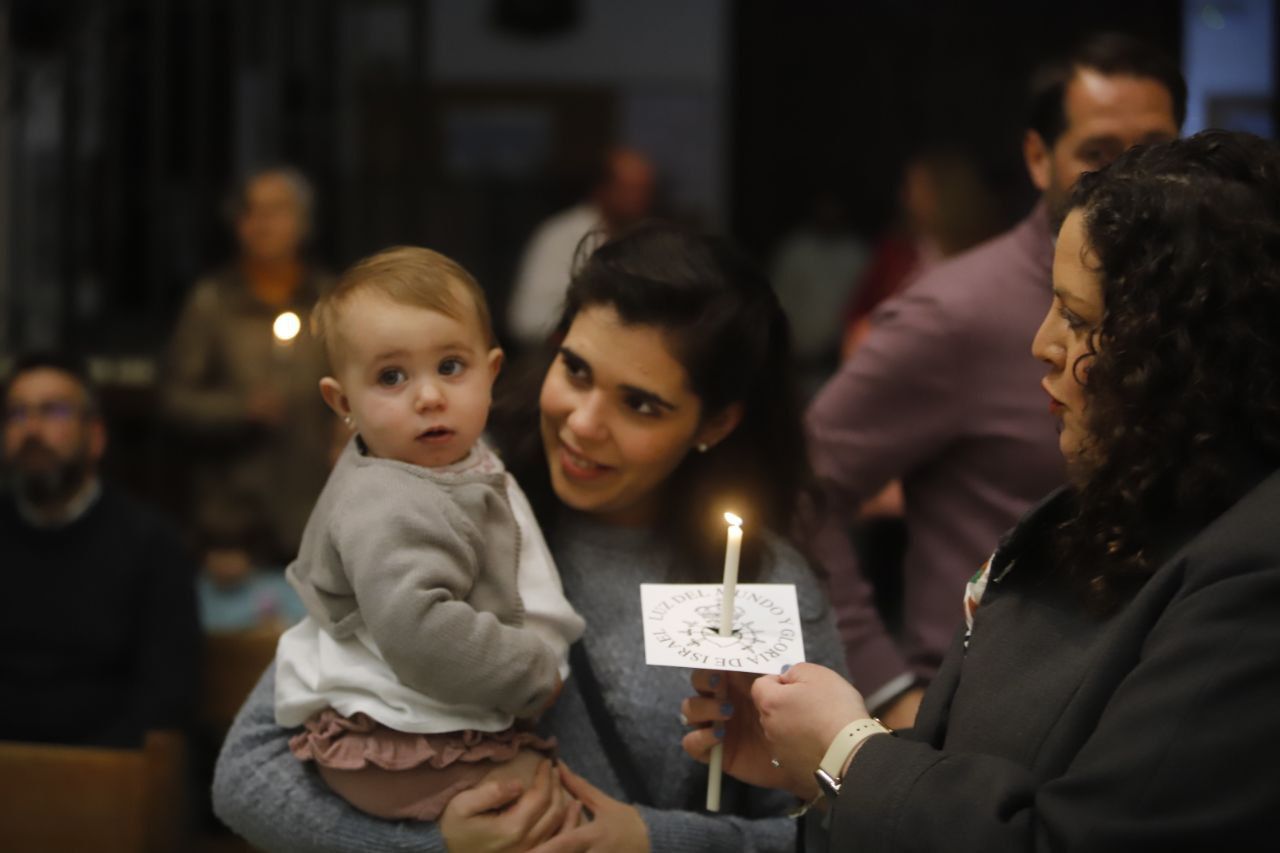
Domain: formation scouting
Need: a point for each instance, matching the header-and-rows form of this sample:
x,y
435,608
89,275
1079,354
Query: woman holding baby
x,y
668,400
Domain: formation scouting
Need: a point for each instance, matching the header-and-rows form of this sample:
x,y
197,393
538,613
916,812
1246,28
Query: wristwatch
x,y
830,772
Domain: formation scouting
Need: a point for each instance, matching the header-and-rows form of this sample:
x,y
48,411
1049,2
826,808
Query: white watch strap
x,y
846,742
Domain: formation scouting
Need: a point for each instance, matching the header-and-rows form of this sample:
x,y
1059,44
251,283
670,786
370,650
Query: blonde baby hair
x,y
410,275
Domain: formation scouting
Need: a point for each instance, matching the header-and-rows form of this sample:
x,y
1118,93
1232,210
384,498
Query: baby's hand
x,y
555,694
551,699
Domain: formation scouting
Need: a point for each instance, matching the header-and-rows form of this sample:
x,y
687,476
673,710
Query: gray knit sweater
x,y
268,796
426,560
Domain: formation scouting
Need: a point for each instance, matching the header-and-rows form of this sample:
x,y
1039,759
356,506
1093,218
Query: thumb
x,y
487,797
793,673
589,795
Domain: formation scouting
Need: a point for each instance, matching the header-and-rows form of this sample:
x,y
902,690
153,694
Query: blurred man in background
x,y
100,642
622,195
944,394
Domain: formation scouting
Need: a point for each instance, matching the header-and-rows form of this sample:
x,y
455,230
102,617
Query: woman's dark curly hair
x,y
1183,383
725,326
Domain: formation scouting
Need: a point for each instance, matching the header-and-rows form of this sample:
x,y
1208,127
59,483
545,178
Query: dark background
x,y
155,120
129,119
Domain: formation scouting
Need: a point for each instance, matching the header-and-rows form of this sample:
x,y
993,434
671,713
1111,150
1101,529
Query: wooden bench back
x,y
233,662
64,798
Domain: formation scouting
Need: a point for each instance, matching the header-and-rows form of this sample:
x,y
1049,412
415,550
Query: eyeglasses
x,y
56,411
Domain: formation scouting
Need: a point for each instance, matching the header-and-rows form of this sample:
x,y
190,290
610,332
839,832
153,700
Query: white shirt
x,y
814,275
545,270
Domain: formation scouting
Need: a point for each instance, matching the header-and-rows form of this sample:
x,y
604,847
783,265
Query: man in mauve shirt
x,y
944,393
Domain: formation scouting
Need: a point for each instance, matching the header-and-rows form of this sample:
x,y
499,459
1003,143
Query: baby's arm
x,y
412,569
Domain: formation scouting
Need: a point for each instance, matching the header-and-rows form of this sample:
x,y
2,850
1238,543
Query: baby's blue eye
x,y
451,367
389,377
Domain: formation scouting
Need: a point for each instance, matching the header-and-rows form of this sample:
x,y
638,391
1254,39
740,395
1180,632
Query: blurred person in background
x,y
101,644
942,393
622,194
236,595
945,208
242,374
815,268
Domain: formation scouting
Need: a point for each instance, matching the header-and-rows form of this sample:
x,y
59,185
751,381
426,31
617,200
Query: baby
x,y
436,618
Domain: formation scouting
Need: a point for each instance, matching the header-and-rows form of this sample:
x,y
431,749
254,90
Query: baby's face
x,y
417,382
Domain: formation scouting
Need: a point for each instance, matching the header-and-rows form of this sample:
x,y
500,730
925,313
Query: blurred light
x,y
733,519
1212,17
286,326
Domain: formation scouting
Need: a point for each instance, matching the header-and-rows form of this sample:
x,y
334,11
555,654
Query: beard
x,y
42,478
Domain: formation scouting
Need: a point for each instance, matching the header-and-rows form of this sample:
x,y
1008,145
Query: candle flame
x,y
733,519
286,326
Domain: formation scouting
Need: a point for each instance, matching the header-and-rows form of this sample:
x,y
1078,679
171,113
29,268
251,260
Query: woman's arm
x,y
621,828
695,832
1183,757
273,800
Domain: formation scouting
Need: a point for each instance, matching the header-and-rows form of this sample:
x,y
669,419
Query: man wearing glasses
x,y
100,641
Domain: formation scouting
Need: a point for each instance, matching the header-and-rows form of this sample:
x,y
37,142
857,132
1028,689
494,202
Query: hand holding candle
x,y
732,552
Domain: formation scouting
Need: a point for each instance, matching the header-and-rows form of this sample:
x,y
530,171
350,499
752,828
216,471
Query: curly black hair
x,y
1183,382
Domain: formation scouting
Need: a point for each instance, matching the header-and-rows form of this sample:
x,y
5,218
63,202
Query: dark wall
x,y
158,103
830,93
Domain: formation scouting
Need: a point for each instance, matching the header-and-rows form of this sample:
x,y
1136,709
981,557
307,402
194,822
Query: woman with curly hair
x,y
1117,684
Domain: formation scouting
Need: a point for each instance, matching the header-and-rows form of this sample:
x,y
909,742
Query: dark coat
x,y
1156,728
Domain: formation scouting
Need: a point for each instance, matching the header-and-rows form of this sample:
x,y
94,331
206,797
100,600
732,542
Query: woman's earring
x,y
703,447
351,424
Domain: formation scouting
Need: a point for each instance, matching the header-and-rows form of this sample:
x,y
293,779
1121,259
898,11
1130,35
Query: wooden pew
x,y
233,662
66,798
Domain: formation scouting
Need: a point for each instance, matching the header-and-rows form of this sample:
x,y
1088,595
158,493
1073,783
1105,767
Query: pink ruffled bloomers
x,y
401,775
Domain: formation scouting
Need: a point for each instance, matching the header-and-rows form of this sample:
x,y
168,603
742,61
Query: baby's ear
x,y
331,391
495,362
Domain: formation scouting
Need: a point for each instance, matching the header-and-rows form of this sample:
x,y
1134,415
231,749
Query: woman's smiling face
x,y
617,417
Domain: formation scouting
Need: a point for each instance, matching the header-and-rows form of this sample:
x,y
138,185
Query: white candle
x,y
732,551
714,772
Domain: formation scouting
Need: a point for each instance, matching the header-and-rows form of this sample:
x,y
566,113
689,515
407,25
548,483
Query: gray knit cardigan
x,y
427,561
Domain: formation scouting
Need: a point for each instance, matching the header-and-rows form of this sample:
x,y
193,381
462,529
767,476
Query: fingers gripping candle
x,y
732,551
